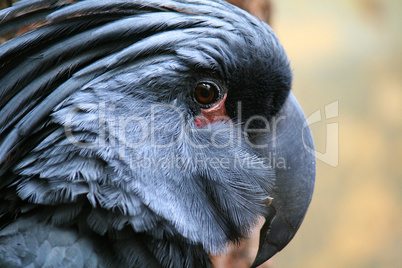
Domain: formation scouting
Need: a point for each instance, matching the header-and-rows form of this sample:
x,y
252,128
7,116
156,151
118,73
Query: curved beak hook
x,y
290,141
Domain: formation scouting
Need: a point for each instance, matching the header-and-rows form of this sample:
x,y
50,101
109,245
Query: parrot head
x,y
162,126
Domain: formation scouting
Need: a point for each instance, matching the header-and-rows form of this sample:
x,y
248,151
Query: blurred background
x,y
346,54
349,52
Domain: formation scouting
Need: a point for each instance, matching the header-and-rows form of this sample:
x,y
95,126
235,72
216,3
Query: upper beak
x,y
290,141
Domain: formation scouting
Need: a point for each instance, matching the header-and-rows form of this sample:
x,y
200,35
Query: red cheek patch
x,y
214,114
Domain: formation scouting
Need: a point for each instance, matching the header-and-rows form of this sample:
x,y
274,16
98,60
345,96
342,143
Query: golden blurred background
x,y
350,52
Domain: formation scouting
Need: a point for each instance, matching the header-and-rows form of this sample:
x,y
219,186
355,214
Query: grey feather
x,y
101,161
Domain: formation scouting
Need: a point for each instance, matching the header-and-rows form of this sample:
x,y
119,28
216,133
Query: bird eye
x,y
206,94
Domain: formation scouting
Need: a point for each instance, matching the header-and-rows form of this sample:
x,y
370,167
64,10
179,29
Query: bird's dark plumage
x,y
105,156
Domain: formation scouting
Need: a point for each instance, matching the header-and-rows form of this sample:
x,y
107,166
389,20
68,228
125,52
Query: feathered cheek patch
x,y
214,114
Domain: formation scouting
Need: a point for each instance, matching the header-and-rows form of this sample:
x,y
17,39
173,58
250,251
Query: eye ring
x,y
206,94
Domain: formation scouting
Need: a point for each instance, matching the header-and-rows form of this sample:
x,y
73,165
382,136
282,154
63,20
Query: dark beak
x,y
291,150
